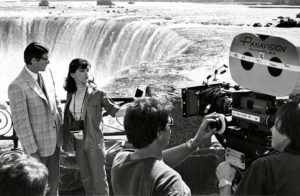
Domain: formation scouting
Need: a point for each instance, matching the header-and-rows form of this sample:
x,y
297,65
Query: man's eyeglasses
x,y
170,121
46,59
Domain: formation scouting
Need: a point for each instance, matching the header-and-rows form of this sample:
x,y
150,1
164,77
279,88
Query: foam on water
x,y
159,34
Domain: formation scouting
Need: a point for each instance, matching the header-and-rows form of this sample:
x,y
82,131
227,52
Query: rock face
x,y
104,2
44,3
288,23
184,128
274,2
257,25
198,170
285,2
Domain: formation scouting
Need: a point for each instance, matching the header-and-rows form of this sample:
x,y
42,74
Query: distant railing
x,y
6,124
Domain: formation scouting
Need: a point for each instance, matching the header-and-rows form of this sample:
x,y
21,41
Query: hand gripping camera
x,y
267,71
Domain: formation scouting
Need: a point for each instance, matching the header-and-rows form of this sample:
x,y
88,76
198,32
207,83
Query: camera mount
x,y
266,69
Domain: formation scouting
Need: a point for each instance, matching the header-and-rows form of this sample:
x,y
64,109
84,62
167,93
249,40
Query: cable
x,y
119,122
114,128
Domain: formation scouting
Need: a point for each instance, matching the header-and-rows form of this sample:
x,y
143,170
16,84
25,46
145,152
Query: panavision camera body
x,y
266,69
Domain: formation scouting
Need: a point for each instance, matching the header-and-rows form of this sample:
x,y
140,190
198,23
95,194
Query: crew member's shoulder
x,y
275,158
160,168
122,156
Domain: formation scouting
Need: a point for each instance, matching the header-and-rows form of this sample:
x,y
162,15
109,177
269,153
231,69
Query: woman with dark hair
x,y
276,174
82,117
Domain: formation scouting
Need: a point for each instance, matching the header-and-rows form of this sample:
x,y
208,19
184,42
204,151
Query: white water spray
x,y
109,45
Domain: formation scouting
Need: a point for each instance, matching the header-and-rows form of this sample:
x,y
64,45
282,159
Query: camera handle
x,y
219,124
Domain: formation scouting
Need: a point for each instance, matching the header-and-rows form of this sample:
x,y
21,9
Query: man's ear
x,y
286,138
34,60
159,134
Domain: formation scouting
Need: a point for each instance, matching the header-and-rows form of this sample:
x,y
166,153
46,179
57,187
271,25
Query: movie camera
x,y
266,69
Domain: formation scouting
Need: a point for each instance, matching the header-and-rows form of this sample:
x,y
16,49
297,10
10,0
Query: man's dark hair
x,y
22,175
288,123
143,119
70,84
34,50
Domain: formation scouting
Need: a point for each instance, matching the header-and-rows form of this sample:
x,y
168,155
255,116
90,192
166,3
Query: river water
x,y
131,45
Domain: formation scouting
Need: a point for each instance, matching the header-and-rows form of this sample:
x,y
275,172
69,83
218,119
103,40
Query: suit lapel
x,y
88,95
33,85
45,83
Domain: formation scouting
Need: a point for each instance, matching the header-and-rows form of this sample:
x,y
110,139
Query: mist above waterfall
x,y
135,44
109,44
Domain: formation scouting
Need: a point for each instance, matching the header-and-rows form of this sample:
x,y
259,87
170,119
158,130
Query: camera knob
x,y
219,124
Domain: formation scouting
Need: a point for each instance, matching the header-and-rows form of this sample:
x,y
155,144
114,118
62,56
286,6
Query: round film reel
x,y
5,122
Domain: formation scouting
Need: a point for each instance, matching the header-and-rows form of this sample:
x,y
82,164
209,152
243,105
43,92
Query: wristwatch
x,y
224,182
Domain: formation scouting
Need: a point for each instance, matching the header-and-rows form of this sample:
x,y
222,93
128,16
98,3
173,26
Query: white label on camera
x,y
235,158
260,60
245,116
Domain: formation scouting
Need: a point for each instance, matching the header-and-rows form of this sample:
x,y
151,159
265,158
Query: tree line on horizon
x,y
274,2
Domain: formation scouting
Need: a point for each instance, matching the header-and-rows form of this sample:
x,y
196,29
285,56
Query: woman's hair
x,y
143,119
288,122
70,84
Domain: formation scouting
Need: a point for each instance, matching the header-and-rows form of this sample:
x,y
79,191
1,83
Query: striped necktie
x,y
41,84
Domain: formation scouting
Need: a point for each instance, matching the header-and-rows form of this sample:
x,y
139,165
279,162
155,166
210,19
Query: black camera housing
x,y
77,125
249,116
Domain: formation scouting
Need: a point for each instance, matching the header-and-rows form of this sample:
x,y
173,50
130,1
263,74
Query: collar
x,y
34,75
294,149
146,153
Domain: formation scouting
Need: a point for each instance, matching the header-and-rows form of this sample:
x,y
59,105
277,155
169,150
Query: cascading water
x,y
110,45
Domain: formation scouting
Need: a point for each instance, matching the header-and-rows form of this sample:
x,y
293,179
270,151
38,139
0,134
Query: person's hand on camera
x,y
205,132
225,172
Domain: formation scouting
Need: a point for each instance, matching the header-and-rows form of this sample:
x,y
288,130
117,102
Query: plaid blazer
x,y
36,117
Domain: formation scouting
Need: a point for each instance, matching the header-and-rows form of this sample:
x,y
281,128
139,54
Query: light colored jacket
x,y
36,118
95,101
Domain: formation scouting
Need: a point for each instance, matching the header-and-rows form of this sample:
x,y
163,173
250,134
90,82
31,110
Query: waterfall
x,y
109,45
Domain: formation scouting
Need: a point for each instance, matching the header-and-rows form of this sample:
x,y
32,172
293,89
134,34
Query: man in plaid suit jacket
x,y
36,113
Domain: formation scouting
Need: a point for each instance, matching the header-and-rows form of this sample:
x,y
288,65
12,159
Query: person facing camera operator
x,y
275,174
147,170
82,116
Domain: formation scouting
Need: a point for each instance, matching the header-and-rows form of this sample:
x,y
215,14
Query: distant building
x,y
286,2
275,2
